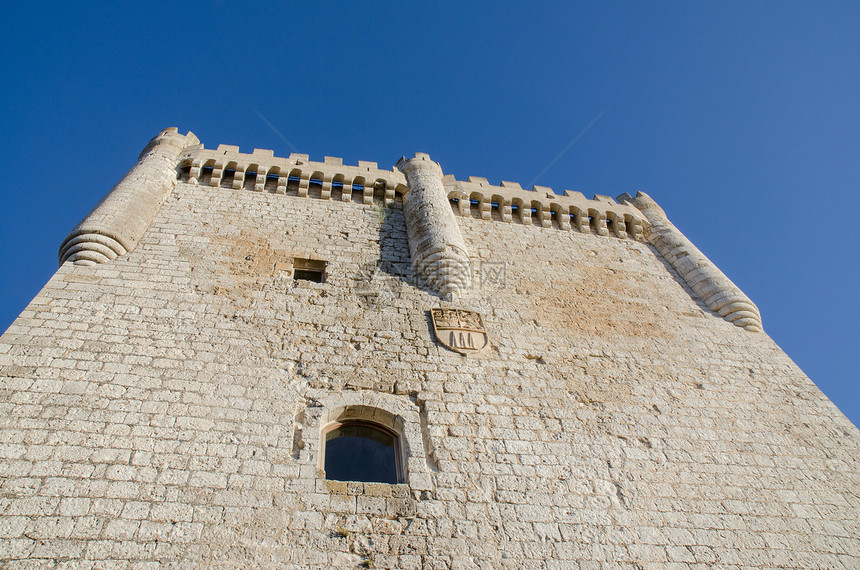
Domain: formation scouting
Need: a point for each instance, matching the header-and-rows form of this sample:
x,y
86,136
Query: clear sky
x,y
742,119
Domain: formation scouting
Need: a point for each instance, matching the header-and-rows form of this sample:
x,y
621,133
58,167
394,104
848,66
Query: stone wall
x,y
167,406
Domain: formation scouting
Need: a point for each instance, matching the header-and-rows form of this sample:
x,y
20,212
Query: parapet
x,y
262,171
331,179
541,206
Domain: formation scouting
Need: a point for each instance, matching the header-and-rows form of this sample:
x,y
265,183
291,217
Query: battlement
x,y
541,206
262,171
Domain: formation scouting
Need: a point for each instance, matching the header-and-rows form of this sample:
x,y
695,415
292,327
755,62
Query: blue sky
x,y
741,119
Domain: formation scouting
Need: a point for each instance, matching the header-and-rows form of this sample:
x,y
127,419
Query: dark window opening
x,y
309,270
206,175
358,192
227,176
361,451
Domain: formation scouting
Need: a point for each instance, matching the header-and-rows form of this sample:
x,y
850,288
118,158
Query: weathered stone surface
x,y
167,407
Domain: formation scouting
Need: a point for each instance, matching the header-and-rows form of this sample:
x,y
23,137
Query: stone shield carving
x,y
459,330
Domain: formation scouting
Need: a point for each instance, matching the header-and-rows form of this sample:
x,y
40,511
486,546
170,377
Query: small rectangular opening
x,y
309,270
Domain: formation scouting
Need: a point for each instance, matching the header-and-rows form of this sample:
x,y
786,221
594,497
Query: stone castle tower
x,y
252,361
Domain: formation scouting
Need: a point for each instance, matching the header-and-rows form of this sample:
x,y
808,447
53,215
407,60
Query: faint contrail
x,y
277,132
567,148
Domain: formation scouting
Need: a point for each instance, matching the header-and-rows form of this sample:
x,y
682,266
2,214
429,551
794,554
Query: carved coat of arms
x,y
459,330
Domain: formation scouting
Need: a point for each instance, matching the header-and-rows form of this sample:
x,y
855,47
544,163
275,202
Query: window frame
x,y
399,463
309,269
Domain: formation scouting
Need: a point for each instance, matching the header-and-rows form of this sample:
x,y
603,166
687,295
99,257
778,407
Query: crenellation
x,y
546,208
570,210
301,170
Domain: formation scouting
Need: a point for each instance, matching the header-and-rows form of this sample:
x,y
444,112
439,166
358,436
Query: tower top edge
x,y
225,154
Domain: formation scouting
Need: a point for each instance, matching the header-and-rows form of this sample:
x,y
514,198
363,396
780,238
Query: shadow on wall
x,y
383,280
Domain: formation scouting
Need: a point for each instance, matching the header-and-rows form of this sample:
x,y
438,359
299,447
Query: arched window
x,y
362,451
367,436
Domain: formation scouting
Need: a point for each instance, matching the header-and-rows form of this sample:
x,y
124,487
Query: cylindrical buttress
x,y
439,254
116,224
709,283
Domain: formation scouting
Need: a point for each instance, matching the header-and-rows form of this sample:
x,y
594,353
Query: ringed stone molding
x,y
117,223
709,283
